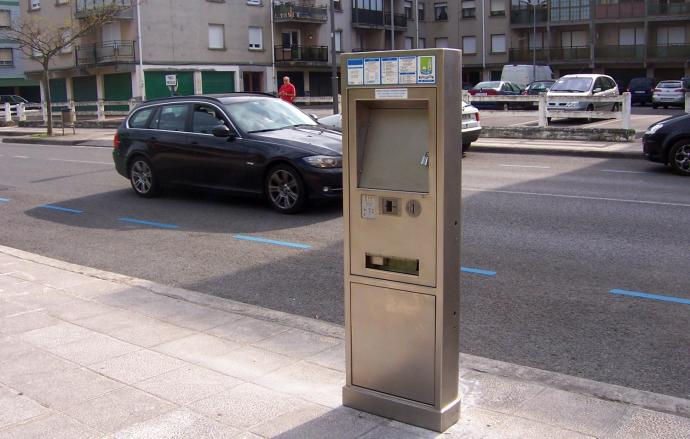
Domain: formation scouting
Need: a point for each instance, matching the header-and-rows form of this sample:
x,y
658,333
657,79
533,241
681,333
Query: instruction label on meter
x,y
369,205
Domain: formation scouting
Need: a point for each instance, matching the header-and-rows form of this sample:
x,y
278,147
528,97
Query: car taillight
x,y
524,93
473,92
476,116
491,92
656,90
116,141
681,90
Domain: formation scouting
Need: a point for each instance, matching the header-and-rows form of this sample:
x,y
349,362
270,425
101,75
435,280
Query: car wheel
x,y
665,107
679,157
466,146
285,189
655,106
142,177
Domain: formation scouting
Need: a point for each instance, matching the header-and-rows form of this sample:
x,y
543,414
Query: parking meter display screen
x,y
395,150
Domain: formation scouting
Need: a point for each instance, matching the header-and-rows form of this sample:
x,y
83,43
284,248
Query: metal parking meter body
x,y
401,162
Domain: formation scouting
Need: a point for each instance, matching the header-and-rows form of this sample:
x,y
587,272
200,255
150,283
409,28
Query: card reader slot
x,y
392,264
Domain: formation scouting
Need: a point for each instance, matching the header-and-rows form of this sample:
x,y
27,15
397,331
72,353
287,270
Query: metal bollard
x,y
627,106
8,112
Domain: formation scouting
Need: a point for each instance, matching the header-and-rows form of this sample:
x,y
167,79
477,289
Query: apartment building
x,y
212,46
12,79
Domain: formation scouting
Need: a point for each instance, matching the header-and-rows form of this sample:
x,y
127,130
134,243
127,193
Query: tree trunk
x,y
48,101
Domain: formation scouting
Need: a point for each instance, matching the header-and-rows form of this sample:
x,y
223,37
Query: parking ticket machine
x,y
401,170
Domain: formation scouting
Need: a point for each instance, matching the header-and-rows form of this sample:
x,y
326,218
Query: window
x,y
140,118
631,36
371,5
254,2
36,53
206,118
216,36
498,8
5,19
666,36
469,45
441,42
441,11
409,43
469,9
35,4
337,5
338,41
574,39
498,43
61,2
6,58
422,43
173,118
66,36
255,38
536,41
420,11
408,10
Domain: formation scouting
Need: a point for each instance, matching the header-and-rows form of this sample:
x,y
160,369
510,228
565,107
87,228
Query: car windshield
x,y
540,85
572,85
488,84
641,82
675,84
266,114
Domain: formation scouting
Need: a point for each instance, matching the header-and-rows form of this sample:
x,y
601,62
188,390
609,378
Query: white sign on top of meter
x,y
372,71
389,70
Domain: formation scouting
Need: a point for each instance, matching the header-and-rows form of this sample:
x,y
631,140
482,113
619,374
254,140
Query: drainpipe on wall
x,y
274,82
142,84
483,45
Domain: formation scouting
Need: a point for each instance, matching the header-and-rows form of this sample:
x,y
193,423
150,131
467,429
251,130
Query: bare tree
x,y
42,38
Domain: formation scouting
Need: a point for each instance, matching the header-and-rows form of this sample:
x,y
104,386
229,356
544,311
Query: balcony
x,y
106,52
527,55
569,14
619,53
667,8
673,52
568,54
296,12
525,15
619,10
86,8
301,54
366,18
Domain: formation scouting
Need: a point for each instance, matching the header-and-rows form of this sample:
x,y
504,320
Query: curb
x,y
56,142
610,392
562,133
557,151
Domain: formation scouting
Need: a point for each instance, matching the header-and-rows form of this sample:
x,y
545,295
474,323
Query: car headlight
x,y
324,161
654,128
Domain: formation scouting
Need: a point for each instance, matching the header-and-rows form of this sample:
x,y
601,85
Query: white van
x,y
583,86
523,74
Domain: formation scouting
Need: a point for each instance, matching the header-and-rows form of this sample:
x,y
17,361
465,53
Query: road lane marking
x,y
526,166
4,200
147,223
477,271
273,242
578,197
20,157
624,172
61,209
80,161
650,296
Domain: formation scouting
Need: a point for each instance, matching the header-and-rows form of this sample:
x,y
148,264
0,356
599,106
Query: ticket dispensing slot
x,y
393,264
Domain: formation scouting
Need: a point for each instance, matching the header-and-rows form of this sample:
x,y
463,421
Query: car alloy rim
x,y
682,158
283,189
142,177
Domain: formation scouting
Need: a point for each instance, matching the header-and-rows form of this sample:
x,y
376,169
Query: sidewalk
x,y
86,353
104,138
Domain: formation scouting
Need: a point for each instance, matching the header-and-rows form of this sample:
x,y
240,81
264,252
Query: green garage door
x,y
156,88
118,87
85,89
217,82
58,92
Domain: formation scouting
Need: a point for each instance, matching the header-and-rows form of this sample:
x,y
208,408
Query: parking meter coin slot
x,y
393,264
390,206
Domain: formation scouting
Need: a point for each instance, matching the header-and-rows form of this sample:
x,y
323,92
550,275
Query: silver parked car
x,y
579,87
667,93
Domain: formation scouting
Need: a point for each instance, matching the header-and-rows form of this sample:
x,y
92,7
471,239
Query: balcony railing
x,y
619,10
85,8
298,12
667,8
369,18
674,52
106,52
525,15
570,53
619,53
524,55
301,54
570,13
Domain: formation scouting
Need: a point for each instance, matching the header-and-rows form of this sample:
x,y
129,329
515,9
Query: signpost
x,y
171,83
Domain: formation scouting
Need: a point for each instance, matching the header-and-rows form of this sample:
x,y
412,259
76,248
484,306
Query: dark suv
x,y
641,90
240,142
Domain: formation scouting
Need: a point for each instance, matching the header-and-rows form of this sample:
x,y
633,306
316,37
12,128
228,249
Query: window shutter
x,y
5,19
6,57
255,38
469,44
216,37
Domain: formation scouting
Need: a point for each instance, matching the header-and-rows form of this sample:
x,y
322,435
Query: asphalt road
x,y
560,233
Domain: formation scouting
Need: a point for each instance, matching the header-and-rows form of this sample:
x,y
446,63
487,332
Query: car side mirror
x,y
596,90
221,131
314,116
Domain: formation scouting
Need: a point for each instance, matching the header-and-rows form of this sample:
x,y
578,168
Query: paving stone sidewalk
x,y
89,354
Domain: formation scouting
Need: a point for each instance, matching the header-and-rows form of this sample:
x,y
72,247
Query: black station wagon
x,y
240,142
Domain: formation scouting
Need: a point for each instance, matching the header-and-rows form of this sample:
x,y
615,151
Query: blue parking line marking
x,y
272,241
477,271
4,200
650,296
148,223
61,209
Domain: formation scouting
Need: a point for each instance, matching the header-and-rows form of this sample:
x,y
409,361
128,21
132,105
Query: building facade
x,y
12,79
